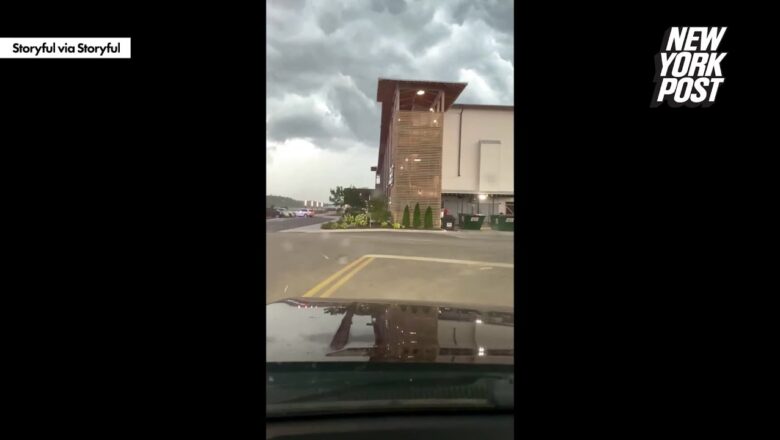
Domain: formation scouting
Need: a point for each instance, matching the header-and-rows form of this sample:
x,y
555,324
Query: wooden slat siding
x,y
417,136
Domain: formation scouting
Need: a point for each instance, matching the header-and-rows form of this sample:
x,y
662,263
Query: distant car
x,y
304,213
283,212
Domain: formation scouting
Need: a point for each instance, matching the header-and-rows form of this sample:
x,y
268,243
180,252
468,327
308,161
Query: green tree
x,y
405,220
356,197
337,196
377,209
416,220
428,222
281,201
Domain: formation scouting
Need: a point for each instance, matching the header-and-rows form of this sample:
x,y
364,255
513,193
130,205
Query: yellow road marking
x,y
325,282
346,278
443,260
363,261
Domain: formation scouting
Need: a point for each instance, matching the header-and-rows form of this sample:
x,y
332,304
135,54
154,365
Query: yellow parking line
x,y
323,283
443,260
346,278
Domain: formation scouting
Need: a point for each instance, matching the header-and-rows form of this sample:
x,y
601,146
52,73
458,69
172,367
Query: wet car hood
x,y
323,330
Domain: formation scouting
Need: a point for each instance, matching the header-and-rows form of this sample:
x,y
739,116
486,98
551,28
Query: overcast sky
x,y
324,59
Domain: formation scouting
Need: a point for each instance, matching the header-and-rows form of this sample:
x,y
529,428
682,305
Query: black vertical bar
x,y
460,132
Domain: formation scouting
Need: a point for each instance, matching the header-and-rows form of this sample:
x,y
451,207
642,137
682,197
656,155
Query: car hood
x,y
323,330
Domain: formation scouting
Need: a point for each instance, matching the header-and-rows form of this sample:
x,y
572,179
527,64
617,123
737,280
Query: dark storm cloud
x,y
302,125
324,58
430,35
295,5
392,6
500,15
328,22
356,109
497,14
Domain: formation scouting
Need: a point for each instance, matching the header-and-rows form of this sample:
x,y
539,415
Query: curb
x,y
310,230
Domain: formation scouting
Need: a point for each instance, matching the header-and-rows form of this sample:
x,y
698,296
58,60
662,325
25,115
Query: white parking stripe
x,y
443,260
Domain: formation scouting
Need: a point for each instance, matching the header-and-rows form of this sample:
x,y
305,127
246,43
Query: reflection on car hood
x,y
323,330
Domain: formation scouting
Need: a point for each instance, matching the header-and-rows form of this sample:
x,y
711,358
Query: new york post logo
x,y
687,70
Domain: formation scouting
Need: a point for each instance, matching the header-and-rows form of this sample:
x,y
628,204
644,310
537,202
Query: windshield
x,y
390,209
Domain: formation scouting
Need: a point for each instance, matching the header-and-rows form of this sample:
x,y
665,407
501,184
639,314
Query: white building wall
x,y
478,125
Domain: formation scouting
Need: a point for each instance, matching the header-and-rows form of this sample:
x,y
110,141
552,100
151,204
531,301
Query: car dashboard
x,y
498,425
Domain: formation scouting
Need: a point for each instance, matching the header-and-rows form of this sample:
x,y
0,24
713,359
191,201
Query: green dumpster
x,y
471,221
502,223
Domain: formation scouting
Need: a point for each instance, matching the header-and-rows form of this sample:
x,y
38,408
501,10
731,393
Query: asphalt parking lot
x,y
280,224
468,267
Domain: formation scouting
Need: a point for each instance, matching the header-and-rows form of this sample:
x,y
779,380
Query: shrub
x,y
416,220
384,224
342,226
329,225
405,220
396,226
361,220
428,222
